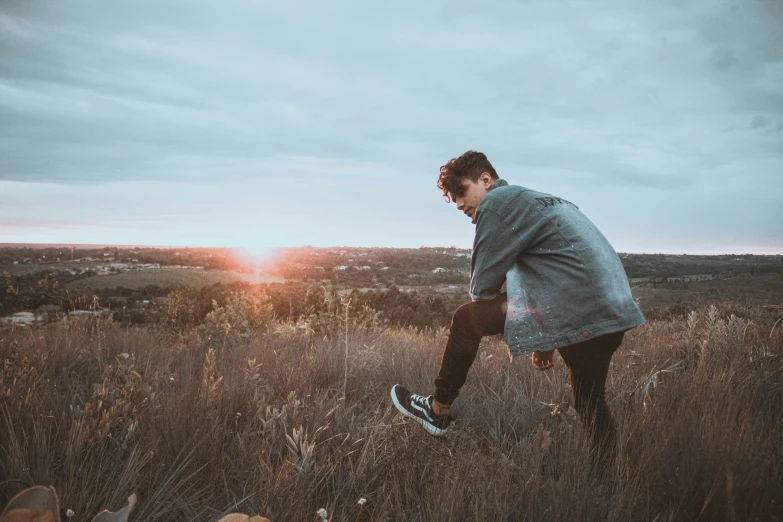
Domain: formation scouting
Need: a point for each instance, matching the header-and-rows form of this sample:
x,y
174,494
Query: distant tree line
x,y
295,301
209,258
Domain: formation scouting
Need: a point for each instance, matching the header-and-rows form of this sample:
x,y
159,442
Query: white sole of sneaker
x,y
432,430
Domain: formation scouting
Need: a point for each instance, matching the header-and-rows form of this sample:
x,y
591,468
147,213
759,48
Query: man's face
x,y
472,193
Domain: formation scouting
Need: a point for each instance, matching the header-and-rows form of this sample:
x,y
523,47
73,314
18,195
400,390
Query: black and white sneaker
x,y
419,408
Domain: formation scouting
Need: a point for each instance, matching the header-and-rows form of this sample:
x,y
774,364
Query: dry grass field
x,y
290,420
758,293
166,277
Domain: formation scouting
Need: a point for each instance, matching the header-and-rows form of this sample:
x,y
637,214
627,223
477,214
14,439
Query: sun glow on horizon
x,y
256,254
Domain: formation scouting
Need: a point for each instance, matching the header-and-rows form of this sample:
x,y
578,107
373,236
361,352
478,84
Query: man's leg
x,y
588,366
469,324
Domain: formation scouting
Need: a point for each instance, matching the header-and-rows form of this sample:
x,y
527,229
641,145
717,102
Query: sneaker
x,y
419,408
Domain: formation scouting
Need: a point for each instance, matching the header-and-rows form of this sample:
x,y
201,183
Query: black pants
x,y
587,362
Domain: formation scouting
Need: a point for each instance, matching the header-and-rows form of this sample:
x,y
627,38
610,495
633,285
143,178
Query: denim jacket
x,y
564,281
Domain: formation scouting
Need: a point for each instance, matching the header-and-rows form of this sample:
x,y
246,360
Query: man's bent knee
x,y
465,320
464,311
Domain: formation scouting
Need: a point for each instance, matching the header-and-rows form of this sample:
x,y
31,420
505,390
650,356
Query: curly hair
x,y
468,166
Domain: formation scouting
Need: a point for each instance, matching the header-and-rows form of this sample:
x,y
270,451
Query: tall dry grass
x,y
272,424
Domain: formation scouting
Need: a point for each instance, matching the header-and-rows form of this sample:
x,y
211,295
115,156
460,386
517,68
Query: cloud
x,y
110,92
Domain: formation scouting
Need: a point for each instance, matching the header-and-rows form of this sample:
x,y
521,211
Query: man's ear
x,y
486,179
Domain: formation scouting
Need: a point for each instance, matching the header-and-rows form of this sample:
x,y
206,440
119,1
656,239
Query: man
x,y
565,289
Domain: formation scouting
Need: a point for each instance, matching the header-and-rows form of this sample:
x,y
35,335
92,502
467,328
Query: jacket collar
x,y
498,183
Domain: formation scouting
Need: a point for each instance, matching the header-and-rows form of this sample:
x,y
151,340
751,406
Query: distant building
x,y
20,318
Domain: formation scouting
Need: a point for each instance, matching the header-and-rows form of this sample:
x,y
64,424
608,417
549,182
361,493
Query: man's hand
x,y
543,360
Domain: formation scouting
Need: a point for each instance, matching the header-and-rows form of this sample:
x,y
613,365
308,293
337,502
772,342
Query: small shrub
x,y
242,315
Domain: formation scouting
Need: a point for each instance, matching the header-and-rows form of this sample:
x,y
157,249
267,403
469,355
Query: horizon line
x,y
244,247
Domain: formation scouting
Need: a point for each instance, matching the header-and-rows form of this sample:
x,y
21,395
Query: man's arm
x,y
496,246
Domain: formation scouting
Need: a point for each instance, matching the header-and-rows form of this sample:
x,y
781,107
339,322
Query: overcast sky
x,y
261,124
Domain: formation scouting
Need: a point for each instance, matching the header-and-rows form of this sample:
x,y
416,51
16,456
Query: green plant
x,y
242,315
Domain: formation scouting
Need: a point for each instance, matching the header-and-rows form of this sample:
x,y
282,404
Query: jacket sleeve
x,y
496,246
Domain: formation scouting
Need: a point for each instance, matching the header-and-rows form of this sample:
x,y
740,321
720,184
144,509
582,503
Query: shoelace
x,y
419,399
